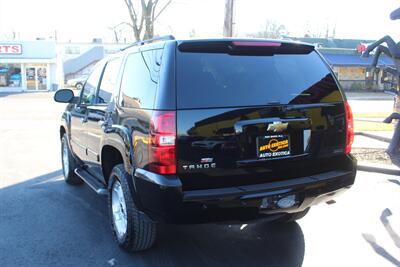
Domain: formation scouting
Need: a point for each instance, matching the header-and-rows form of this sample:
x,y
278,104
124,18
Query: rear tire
x,y
292,217
68,163
132,229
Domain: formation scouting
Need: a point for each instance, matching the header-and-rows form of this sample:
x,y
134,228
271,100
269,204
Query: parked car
x,y
77,82
282,125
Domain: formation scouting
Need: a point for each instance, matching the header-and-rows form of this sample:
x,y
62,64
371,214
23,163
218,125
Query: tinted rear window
x,y
207,80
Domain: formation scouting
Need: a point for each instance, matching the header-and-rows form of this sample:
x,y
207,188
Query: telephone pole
x,y
228,19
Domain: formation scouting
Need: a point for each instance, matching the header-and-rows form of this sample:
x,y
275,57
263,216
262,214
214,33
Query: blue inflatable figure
x,y
392,50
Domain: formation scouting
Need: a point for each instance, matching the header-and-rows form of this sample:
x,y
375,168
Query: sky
x,y
83,20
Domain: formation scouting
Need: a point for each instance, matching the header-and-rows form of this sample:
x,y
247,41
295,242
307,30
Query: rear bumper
x,y
162,198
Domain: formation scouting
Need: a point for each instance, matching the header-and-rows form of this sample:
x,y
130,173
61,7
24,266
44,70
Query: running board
x,y
91,181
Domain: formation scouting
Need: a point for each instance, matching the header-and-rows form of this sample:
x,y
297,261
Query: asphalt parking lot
x,y
44,222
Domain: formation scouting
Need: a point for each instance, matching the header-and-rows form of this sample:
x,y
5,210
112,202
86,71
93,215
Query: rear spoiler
x,y
245,47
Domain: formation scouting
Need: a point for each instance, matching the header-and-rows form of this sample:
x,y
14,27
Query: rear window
x,y
210,80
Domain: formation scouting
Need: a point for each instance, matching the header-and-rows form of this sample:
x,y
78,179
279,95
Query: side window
x,y
109,81
88,96
140,79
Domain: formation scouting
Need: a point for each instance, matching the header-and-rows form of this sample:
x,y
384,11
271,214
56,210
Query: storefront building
x,y
355,72
27,66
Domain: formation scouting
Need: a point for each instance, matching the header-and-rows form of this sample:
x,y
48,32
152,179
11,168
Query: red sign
x,y
361,47
10,49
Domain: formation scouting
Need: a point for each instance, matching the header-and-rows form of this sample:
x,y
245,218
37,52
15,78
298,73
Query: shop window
x,y
388,80
369,74
10,75
336,74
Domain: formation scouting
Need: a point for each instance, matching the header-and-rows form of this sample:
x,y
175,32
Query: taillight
x,y
162,150
252,43
349,128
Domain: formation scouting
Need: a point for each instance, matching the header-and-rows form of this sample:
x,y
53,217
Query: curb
x,y
379,168
374,136
366,98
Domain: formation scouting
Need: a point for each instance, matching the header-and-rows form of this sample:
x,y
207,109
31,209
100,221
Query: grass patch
x,y
372,126
371,115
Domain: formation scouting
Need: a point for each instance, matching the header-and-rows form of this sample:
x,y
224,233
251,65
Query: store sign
x,y
10,49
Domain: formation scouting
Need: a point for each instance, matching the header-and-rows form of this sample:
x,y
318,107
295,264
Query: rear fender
x,y
119,137
118,142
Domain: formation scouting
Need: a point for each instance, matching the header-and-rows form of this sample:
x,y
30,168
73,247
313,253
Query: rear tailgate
x,y
255,112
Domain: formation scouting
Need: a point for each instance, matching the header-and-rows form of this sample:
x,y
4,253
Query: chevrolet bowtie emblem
x,y
277,126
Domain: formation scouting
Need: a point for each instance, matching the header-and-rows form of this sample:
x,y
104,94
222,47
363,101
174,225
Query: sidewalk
x,y
368,96
382,136
372,136
370,141
375,144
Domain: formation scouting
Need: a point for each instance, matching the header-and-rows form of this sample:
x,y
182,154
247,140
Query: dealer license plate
x,y
273,146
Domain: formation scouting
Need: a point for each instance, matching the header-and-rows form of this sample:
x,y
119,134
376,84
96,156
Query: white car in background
x,y
77,82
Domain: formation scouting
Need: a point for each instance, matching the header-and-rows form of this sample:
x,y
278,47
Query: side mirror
x,y
64,96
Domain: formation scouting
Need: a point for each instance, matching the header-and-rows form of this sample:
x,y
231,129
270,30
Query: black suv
x,y
215,130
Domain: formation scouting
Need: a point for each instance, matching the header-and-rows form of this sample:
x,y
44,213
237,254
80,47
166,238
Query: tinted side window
x,y
89,91
140,79
109,81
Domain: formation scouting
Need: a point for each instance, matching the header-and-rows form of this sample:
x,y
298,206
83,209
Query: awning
x,y
29,60
356,60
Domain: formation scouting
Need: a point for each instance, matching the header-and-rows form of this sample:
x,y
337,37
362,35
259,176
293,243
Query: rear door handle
x,y
242,124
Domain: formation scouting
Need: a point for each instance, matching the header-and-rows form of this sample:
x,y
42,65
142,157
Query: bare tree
x,y
192,33
143,15
272,29
117,31
329,33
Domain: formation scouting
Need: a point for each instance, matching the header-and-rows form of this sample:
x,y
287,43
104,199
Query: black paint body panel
x,y
219,174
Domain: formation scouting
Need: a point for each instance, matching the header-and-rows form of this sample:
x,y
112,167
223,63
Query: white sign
x,y
10,49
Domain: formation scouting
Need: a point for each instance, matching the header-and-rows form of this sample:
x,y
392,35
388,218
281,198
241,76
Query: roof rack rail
x,y
139,43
